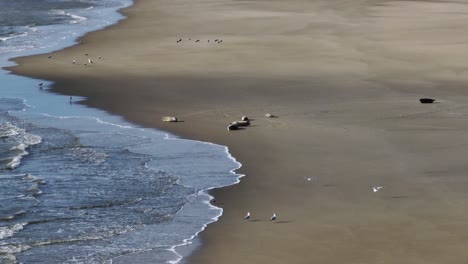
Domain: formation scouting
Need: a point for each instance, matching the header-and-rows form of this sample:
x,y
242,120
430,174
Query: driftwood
x,y
426,100
170,119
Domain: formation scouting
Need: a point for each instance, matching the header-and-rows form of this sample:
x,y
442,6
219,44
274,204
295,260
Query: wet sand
x,y
344,79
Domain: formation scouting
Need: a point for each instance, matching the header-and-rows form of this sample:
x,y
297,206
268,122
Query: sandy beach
x,y
344,79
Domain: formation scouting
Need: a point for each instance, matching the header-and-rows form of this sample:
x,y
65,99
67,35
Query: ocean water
x,y
79,185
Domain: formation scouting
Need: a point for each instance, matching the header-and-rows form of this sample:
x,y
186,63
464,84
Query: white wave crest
x,y
12,249
24,140
12,36
8,130
15,162
76,18
9,231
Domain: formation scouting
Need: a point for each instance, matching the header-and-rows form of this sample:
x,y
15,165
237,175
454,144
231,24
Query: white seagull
x,y
90,61
247,216
376,189
273,217
74,61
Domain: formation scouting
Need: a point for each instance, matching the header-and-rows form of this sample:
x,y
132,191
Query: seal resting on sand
x,y
426,100
170,119
233,126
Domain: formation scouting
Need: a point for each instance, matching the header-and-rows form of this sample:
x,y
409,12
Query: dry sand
x,y
344,77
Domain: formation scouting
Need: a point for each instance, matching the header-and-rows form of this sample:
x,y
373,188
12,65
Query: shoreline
x,y
345,86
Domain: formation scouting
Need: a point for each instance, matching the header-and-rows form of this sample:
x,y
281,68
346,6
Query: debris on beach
x,y
170,119
426,100
270,115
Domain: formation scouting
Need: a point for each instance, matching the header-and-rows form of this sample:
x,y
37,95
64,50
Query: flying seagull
x,y
273,217
247,216
376,189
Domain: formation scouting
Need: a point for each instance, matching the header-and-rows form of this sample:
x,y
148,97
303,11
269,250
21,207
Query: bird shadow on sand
x,y
256,220
283,222
400,197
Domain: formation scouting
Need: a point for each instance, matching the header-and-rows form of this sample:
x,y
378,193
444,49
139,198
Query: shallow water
x,y
78,185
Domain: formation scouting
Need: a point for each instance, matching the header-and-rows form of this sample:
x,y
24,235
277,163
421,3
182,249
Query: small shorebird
x,y
99,57
40,84
376,189
74,61
247,216
273,217
197,40
308,178
90,61
50,57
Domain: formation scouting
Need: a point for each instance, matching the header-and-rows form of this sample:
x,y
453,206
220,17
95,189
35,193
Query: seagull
x,y
197,40
247,216
50,57
90,61
40,84
376,189
74,61
71,98
308,178
273,217
99,57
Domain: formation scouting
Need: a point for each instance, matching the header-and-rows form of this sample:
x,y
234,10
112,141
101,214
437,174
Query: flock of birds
x,y
89,61
248,216
274,217
219,41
